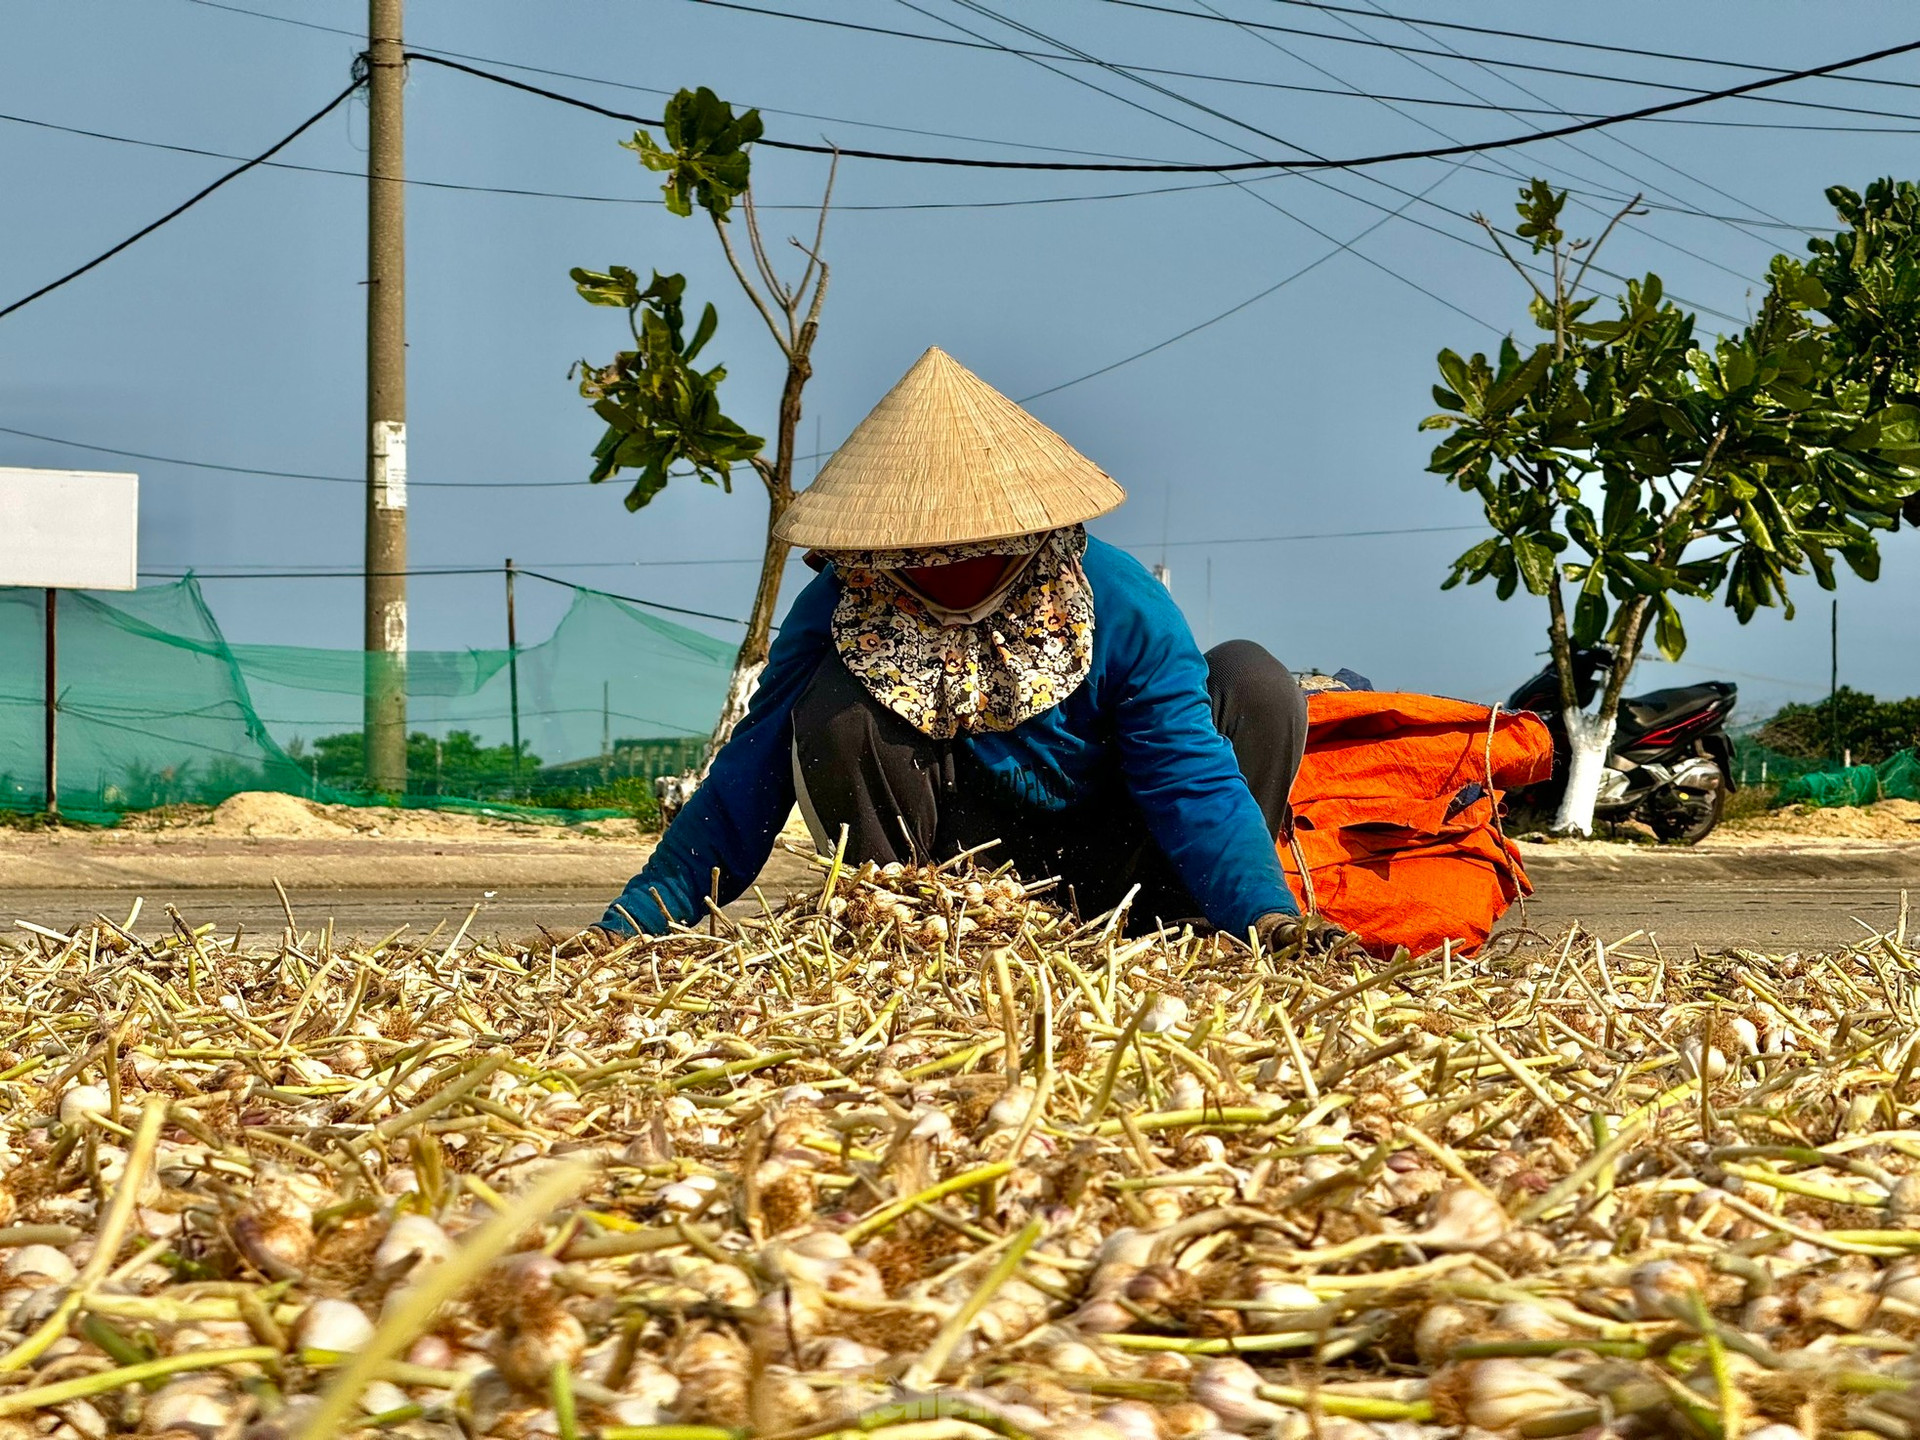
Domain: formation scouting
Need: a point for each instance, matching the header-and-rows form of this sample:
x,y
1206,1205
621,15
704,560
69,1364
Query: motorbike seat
x,y
1641,713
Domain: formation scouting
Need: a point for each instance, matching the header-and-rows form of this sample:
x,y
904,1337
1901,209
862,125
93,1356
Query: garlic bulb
x,y
1186,1093
40,1265
1229,1388
83,1101
201,1406
1504,1393
1462,1218
1528,1321
713,1369
1132,1420
689,1195
1844,1306
541,1336
1010,1111
1167,1012
338,1326
1658,1285
1075,1357
1900,1282
1716,1060
837,1353
413,1243
1290,1301
380,1396
1443,1325
275,1230
1903,1201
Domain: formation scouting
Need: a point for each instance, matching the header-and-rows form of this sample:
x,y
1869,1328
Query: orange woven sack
x,y
1395,810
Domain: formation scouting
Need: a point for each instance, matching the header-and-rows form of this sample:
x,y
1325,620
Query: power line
x,y
437,571
1340,246
292,474
1378,44
1353,163
451,570
656,90
1227,313
842,208
190,201
1570,43
1511,170
1618,140
333,570
1145,69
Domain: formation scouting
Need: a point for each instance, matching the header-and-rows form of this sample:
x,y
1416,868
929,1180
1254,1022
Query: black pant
x,y
903,796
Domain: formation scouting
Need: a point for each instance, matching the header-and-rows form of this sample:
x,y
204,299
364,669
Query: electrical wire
x,y
1145,69
1224,167
190,201
294,474
437,571
656,90
1122,71
1378,44
1616,139
1570,43
843,208
1340,246
1511,171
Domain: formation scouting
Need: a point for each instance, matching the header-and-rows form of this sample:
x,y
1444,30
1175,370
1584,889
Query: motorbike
x,y
1670,763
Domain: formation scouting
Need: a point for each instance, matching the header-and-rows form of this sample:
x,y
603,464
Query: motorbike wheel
x,y
1686,817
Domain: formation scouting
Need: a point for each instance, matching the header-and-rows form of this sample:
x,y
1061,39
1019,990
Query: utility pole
x,y
513,678
386,618
1833,686
53,705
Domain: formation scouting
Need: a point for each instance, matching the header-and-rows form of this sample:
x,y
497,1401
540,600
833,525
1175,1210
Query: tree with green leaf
x,y
662,410
1632,463
1871,273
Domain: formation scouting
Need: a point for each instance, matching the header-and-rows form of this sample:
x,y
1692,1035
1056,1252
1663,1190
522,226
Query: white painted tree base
x,y
1587,739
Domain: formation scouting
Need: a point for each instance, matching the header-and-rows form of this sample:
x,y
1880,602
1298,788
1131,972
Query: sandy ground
x,y
1782,881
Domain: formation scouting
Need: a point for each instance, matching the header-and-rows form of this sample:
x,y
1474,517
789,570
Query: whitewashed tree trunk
x,y
673,791
1587,739
746,679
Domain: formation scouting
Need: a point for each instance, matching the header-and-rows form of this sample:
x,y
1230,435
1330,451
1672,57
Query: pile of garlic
x,y
925,1155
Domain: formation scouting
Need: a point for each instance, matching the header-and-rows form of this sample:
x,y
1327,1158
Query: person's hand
x,y
1305,934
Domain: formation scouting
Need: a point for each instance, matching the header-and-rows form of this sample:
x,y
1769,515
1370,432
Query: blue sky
x,y
234,335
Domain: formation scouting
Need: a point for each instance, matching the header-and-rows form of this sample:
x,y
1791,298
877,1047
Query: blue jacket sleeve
x,y
1179,767
736,814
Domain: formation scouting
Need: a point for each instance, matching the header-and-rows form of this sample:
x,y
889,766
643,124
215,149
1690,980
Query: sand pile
x,y
1893,820
268,814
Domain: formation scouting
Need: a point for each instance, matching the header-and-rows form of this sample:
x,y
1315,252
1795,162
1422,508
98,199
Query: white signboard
x,y
69,529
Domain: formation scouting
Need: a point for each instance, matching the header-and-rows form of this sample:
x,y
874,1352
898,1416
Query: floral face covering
x,y
1017,654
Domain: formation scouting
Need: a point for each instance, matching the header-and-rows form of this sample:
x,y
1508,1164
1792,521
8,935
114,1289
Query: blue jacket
x,y
1144,700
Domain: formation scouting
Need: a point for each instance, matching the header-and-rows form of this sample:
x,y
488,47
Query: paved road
x,y
1684,910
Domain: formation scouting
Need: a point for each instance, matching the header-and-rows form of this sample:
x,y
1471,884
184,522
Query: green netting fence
x,y
1757,764
1895,778
156,708
1825,783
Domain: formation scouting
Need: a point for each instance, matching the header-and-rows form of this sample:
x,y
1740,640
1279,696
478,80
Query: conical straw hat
x,y
946,459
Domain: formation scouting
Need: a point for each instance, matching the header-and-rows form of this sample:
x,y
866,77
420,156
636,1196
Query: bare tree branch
x,y
819,233
768,274
1500,244
753,294
1630,208
819,289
